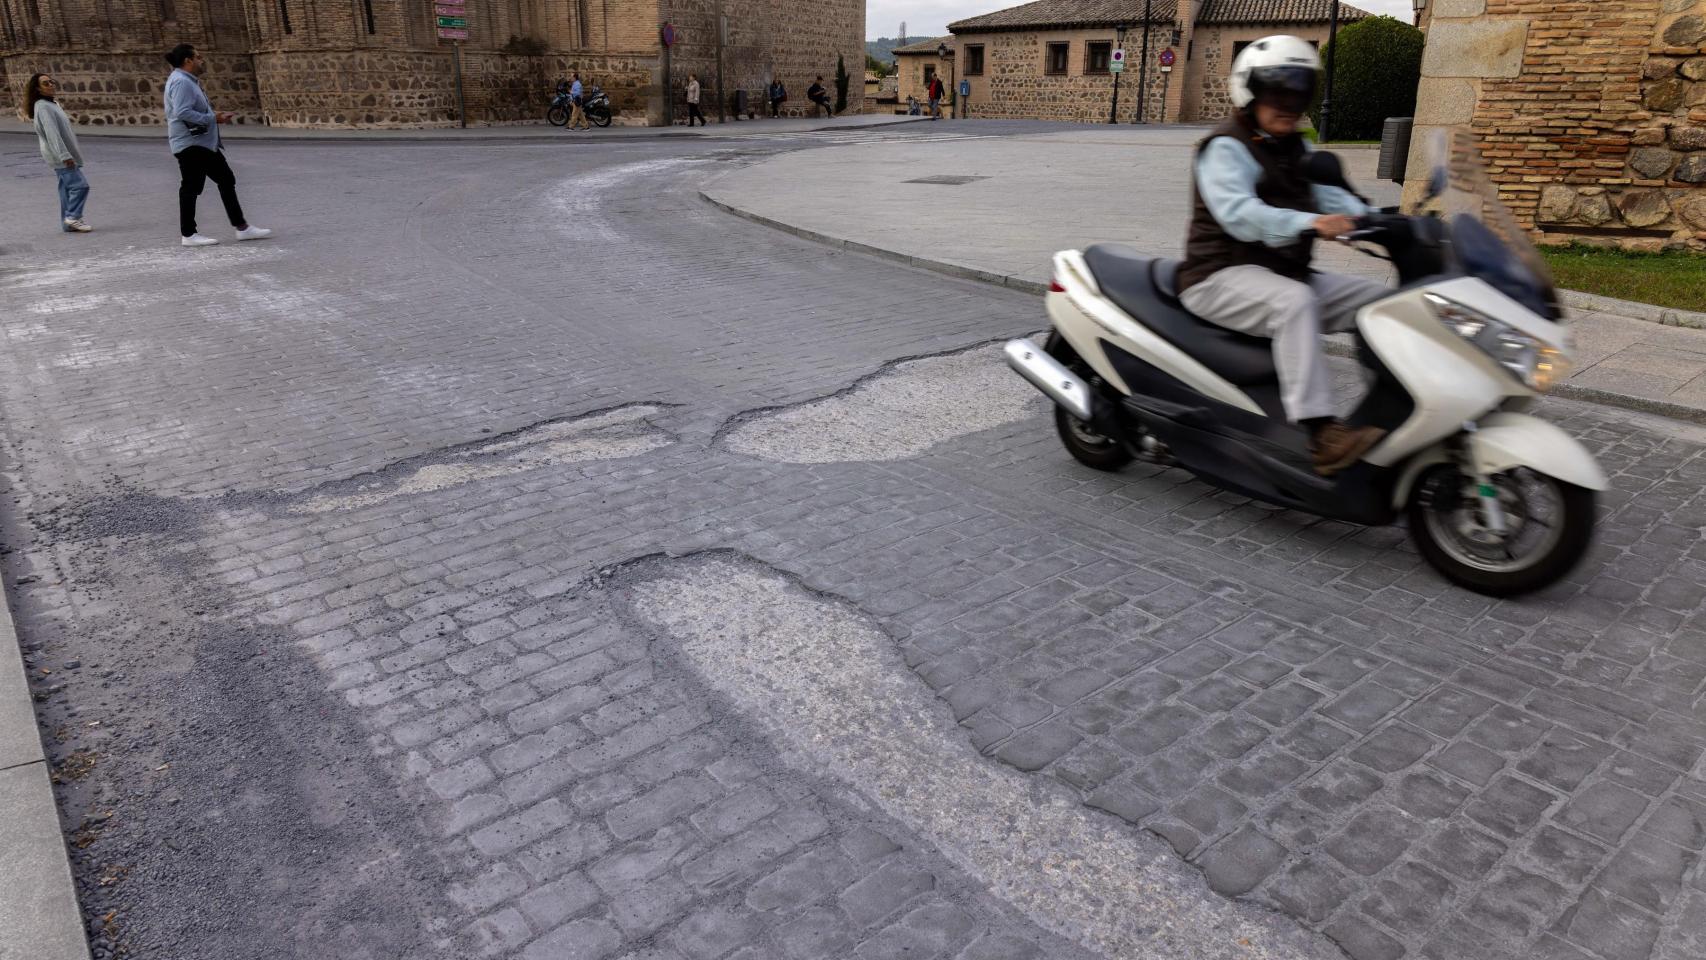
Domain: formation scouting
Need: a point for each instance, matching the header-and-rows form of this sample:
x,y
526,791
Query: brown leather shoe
x,y
1337,446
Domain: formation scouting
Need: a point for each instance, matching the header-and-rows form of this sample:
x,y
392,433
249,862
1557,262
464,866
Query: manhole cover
x,y
946,179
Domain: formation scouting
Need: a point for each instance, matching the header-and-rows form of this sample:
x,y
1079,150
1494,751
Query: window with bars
x,y
1097,54
974,60
1055,59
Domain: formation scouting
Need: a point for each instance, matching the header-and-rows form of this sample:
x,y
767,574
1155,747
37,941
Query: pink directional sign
x,y
450,33
450,10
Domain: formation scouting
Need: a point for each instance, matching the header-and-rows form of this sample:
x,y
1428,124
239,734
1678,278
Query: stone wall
x,y
766,39
1212,52
377,62
1591,116
1015,86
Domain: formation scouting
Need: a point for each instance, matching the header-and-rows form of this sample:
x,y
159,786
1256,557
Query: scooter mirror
x,y
1324,168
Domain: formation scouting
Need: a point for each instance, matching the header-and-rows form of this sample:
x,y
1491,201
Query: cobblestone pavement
x,y
337,558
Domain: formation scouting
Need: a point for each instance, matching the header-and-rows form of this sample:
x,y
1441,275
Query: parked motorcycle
x,y
594,102
1496,500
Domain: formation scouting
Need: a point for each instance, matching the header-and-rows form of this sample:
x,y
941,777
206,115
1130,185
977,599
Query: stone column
x,y
1464,47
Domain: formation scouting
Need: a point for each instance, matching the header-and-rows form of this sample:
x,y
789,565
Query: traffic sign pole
x,y
1116,63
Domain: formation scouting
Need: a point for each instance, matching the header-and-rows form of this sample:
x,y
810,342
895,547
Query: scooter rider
x,y
1246,268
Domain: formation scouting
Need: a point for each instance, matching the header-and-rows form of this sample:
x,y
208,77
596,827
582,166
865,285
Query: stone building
x,y
916,63
1049,59
380,63
1591,116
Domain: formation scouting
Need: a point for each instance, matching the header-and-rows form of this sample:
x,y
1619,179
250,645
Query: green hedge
x,y
1378,65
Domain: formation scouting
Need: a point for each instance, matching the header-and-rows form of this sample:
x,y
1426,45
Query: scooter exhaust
x,y
1046,374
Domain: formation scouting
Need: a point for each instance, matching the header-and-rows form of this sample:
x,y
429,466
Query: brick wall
x,y
336,65
1591,115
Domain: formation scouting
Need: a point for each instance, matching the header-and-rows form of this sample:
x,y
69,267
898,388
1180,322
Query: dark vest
x,y
1209,248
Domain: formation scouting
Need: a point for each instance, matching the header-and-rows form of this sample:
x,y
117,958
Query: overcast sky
x,y
930,18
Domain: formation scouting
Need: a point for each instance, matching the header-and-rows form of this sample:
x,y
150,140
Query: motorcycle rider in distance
x,y
1247,259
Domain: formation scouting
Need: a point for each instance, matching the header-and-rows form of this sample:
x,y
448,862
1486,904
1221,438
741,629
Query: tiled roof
x,y
1109,13
1069,13
1276,11
925,46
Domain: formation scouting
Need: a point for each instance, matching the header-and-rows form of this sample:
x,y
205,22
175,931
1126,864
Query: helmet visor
x,y
1287,88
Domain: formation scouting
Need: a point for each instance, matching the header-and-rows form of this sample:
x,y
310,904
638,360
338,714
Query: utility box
x,y
739,106
1395,148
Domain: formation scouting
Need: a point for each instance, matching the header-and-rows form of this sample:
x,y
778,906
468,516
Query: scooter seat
x,y
1146,288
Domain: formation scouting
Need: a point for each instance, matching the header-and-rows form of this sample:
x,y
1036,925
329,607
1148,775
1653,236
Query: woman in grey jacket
x,y
59,148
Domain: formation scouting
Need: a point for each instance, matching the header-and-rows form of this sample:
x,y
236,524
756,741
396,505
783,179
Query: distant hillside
x,y
884,49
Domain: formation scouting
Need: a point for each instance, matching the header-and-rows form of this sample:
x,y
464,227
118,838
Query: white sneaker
x,y
197,240
253,233
77,226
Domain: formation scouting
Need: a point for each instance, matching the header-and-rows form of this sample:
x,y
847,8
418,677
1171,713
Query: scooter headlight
x,y
1536,363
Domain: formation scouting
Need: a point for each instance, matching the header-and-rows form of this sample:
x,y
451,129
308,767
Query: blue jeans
x,y
73,192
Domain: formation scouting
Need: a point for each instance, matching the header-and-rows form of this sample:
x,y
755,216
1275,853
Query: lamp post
x,y
943,53
1332,54
1119,44
1143,66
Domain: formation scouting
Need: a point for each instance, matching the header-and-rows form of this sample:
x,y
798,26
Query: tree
x,y
1377,65
841,80
873,65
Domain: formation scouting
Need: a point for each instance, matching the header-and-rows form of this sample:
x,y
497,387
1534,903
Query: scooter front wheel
x,y
559,116
1547,525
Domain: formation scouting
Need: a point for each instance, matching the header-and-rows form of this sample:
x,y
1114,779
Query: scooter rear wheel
x,y
1080,439
1549,524
1087,446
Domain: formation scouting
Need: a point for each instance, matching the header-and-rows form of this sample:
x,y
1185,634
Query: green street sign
x,y
453,21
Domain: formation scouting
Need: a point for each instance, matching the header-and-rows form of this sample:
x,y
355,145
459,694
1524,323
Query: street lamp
x,y
1332,54
943,53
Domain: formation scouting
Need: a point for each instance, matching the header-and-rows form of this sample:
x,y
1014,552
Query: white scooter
x,y
1498,501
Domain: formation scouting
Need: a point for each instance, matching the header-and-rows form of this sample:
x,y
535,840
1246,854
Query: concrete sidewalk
x,y
997,209
513,133
39,916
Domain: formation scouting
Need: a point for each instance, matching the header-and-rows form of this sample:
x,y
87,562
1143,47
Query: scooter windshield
x,y
1486,240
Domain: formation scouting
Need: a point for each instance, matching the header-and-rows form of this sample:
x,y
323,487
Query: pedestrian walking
x,y
577,119
818,95
693,112
59,148
778,96
934,92
192,129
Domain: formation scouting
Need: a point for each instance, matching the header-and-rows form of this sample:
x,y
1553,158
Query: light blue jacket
x,y
187,106
1226,180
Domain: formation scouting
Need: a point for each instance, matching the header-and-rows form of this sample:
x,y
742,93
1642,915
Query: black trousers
x,y
694,114
199,165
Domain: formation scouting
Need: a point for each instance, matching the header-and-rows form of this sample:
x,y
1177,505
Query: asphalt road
x,y
465,571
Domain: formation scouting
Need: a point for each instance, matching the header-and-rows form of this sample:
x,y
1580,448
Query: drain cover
x,y
946,179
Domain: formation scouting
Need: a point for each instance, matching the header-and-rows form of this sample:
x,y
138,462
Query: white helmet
x,y
1285,68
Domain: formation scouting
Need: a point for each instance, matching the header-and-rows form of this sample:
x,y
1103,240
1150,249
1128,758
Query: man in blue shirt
x,y
192,129
577,119
1247,259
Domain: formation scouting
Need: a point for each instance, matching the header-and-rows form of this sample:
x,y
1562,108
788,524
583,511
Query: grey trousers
x,y
1294,315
